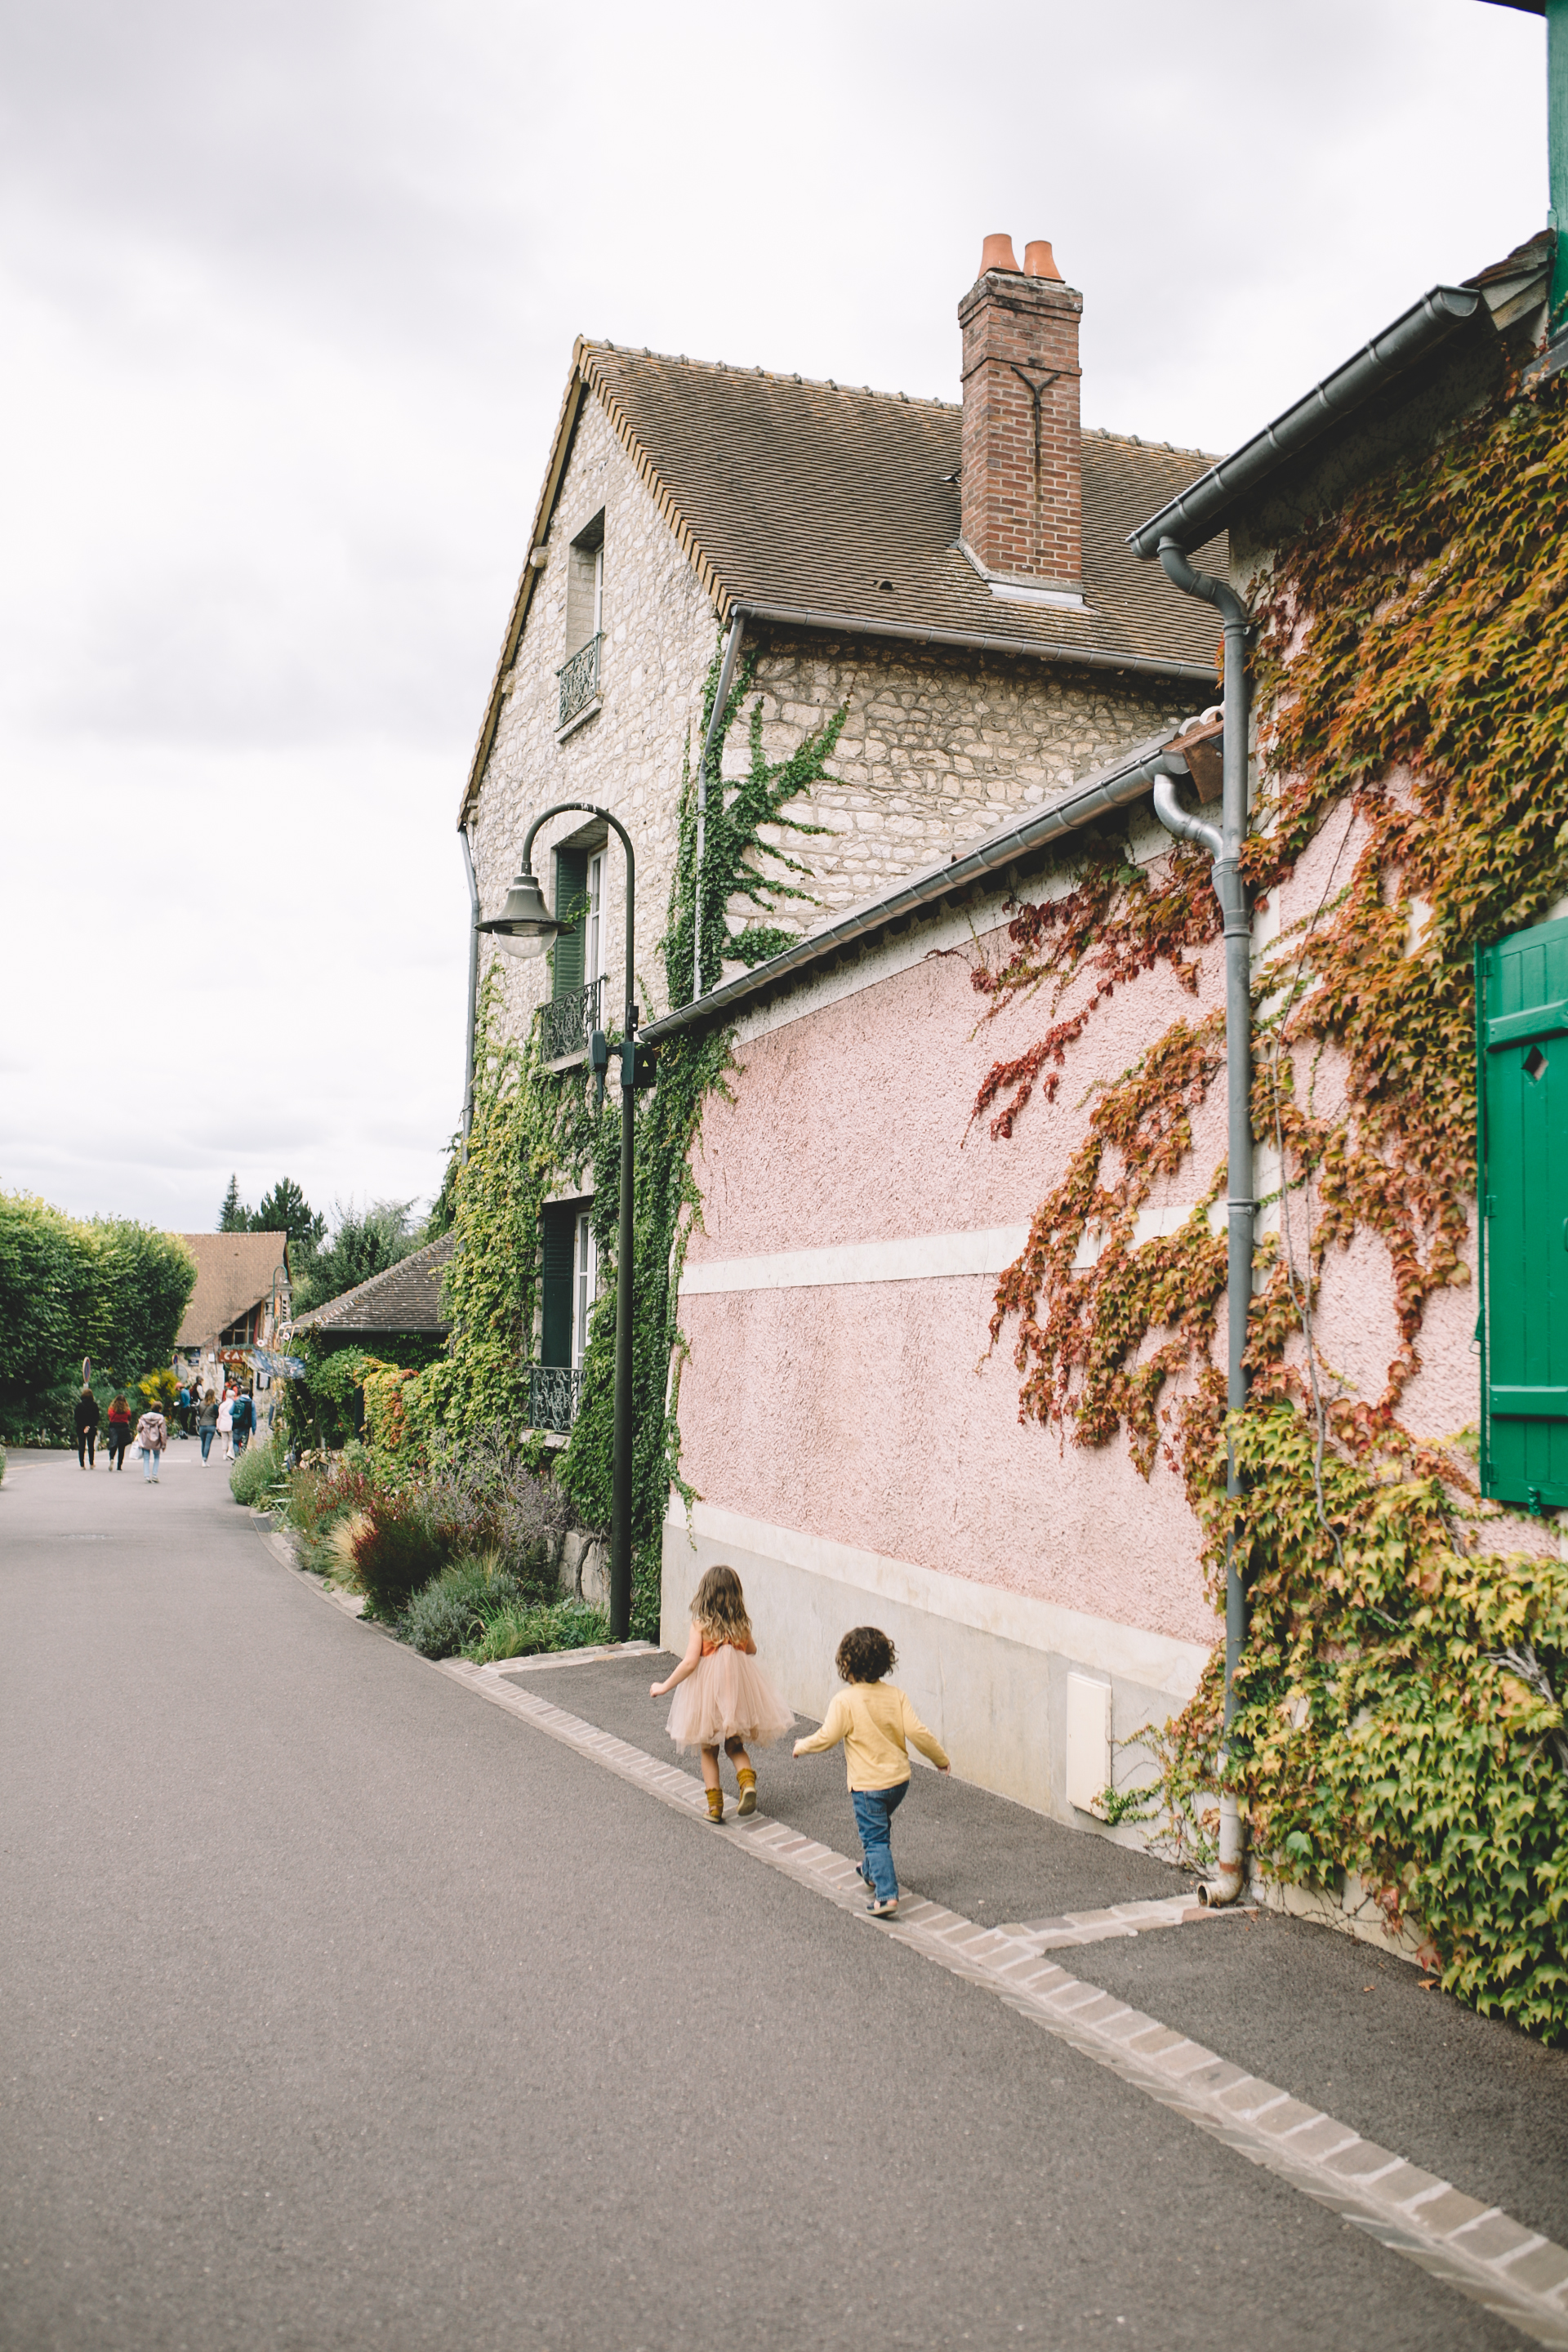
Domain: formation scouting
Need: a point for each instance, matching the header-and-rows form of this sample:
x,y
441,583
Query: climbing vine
x,y
738,863
533,1127
1400,1702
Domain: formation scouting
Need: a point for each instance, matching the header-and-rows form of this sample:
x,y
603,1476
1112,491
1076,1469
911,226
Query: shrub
x,y
521,1631
399,1548
459,1606
323,1495
487,1500
252,1476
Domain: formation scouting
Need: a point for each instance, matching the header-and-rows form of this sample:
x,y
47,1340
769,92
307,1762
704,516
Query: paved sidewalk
x,y
1340,2025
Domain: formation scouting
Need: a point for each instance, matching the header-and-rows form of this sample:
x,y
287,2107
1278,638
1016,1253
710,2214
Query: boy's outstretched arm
x,y
834,1724
917,1736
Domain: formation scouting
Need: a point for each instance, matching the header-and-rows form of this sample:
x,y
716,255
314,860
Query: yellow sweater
x,y
876,1723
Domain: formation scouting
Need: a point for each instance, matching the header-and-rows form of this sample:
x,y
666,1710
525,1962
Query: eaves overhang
x,y
812,616
1117,786
1209,505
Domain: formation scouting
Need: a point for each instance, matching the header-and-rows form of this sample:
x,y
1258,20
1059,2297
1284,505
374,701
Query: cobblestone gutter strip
x,y
1515,2272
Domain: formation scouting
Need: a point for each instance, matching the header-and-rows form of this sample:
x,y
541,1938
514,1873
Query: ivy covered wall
x,y
1401,1693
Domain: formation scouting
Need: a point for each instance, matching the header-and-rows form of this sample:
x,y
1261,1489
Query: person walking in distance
x,y
725,1699
118,1432
85,1416
876,1722
225,1422
151,1437
243,1416
208,1422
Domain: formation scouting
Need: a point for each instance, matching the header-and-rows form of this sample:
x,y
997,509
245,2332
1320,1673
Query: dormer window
x,y
579,674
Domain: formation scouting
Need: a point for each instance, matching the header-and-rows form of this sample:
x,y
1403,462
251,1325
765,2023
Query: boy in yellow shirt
x,y
876,1722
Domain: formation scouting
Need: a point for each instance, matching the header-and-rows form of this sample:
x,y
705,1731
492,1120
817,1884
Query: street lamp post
x,y
523,928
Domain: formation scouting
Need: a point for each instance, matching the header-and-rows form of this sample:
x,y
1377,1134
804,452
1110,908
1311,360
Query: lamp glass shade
x,y
525,924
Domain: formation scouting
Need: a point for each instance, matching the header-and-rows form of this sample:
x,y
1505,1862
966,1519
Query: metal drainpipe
x,y
715,717
473,985
1223,846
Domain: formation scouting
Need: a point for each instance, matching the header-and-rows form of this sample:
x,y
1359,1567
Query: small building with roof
x,y
403,1302
240,1298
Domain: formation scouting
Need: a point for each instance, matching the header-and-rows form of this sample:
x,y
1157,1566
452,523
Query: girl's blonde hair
x,y
719,1607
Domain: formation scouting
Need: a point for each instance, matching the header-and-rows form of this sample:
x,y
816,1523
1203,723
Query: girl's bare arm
x,y
689,1665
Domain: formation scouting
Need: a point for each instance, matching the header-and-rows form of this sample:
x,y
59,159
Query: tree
x,y
109,1290
234,1217
363,1244
285,1210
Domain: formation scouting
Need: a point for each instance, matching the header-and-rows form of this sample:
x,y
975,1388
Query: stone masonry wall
x,y
659,633
940,745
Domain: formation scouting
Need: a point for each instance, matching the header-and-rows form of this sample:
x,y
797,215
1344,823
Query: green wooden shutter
x,y
1521,1041
558,1226
571,890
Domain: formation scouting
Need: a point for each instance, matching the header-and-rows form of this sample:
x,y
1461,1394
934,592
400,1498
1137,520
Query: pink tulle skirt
x,y
729,1697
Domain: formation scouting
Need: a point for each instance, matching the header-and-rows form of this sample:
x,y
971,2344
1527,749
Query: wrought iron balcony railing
x,y
579,681
555,1392
566,1023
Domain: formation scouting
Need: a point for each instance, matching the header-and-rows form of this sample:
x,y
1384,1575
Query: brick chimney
x,y
1021,496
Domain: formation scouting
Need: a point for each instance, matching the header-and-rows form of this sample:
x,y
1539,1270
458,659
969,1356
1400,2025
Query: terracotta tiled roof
x,y
805,495
406,1297
800,497
234,1273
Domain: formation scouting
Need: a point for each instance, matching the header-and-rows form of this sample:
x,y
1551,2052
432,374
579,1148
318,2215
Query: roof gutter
x,y
809,616
1205,507
1116,787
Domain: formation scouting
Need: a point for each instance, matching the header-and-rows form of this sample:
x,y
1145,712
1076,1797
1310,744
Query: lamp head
x,y
525,924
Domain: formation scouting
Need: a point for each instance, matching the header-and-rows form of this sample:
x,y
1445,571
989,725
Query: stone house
x,y
241,1296
857,1449
952,575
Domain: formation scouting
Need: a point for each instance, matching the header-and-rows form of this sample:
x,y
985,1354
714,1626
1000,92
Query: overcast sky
x,y
288,293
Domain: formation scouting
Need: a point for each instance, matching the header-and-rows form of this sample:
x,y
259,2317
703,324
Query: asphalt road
x,y
342,2010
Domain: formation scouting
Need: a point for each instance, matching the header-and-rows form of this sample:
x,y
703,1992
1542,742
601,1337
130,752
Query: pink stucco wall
x,y
871,1414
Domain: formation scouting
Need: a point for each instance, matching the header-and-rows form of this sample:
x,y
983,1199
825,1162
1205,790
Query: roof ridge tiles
x,y
773,375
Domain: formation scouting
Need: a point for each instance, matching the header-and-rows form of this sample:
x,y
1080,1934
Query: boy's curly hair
x,y
865,1655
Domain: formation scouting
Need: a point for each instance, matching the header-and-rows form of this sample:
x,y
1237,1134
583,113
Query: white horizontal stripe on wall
x,y
921,1258
1160,1661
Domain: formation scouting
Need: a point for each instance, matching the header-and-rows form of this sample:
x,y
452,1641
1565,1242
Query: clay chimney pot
x,y
997,253
1039,261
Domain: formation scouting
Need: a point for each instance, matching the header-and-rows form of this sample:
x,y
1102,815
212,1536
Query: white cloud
x,y
289,296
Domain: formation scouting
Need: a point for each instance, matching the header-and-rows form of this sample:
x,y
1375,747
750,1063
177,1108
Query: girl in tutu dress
x,y
725,1699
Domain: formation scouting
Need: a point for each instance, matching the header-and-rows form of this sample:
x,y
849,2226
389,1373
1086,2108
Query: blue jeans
x,y
149,1461
208,1433
874,1811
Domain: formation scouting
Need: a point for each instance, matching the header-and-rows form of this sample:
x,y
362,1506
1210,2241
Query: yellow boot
x,y
716,1804
748,1780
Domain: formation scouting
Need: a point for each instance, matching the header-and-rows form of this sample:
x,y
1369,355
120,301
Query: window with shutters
x,y
1521,1051
579,674
571,907
585,1285
567,1280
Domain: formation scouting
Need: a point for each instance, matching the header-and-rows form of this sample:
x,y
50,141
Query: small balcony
x,y
579,680
554,1393
566,1023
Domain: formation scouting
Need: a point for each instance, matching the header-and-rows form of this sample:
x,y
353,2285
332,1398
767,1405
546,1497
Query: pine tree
x,y
234,1217
285,1210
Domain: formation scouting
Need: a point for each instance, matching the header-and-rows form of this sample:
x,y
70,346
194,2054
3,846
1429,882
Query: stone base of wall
x,y
1008,1683
1350,1909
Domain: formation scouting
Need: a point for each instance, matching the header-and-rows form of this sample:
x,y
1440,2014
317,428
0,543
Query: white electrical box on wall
x,y
1088,1742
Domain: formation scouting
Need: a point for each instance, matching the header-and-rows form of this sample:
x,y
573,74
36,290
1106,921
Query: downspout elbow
x,y
1180,821
1193,583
